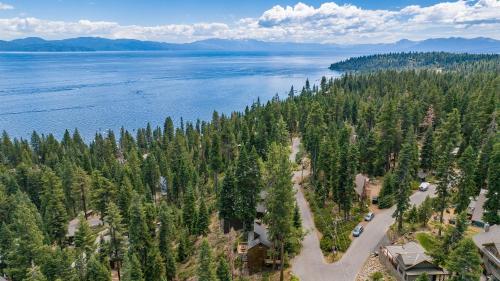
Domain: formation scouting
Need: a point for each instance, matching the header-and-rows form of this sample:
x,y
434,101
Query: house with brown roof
x,y
407,262
488,243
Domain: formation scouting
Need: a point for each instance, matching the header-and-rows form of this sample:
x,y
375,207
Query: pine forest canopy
x,y
46,182
417,60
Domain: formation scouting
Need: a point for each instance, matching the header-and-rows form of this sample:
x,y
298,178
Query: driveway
x,y
310,265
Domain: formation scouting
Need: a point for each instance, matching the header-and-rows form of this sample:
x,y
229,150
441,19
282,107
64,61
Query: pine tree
x,y
189,213
124,198
216,163
116,230
55,216
84,237
427,150
165,240
203,219
492,204
464,262
297,221
223,271
280,201
387,192
206,270
248,186
154,269
466,180
183,248
138,234
80,188
96,271
132,269
403,178
34,274
227,196
102,192
26,245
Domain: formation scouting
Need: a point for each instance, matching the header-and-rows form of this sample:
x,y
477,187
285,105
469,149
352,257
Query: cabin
x,y
255,252
488,243
475,209
92,219
361,186
407,262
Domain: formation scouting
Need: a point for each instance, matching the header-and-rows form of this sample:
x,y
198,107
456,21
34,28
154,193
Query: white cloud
x,y
329,22
4,6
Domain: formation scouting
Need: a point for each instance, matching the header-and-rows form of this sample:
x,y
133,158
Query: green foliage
x,y
464,262
97,271
492,204
431,60
377,276
206,270
223,270
423,277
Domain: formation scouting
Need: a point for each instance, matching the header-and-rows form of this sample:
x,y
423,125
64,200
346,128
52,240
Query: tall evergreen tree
x,y
403,178
116,230
466,182
132,269
280,201
223,270
492,204
427,150
138,234
165,240
54,212
206,271
97,271
248,178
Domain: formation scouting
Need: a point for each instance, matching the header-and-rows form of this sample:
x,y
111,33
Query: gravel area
x,y
372,265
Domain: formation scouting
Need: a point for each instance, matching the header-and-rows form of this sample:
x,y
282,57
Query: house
x,y
488,243
257,248
476,210
361,187
409,261
93,220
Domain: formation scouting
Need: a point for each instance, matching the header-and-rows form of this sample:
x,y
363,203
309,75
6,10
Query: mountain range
x,y
89,44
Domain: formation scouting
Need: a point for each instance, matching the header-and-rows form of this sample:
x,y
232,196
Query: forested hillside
x,y
428,60
159,192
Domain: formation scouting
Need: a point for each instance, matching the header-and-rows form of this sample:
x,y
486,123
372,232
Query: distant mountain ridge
x,y
89,44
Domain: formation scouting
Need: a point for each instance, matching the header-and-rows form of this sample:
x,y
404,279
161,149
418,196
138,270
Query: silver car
x,y
357,230
369,216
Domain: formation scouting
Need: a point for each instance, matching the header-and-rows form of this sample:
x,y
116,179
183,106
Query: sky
x,y
340,21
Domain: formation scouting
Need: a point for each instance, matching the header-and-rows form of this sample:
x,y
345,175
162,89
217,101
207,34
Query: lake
x,y
97,91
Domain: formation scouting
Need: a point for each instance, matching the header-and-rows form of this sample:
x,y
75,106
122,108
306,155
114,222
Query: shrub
x,y
377,276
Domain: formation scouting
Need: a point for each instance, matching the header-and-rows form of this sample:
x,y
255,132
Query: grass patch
x,y
426,240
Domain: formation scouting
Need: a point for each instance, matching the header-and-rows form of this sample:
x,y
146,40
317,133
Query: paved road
x,y
309,265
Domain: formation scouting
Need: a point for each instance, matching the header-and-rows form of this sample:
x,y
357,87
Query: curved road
x,y
309,265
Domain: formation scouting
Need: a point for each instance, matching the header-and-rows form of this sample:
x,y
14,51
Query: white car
x,y
424,186
369,216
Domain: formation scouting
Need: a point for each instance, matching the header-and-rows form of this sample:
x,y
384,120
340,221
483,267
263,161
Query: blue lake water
x,y
51,92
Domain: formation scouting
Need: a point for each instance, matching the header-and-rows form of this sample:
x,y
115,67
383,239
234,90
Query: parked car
x,y
369,216
375,200
424,186
357,230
